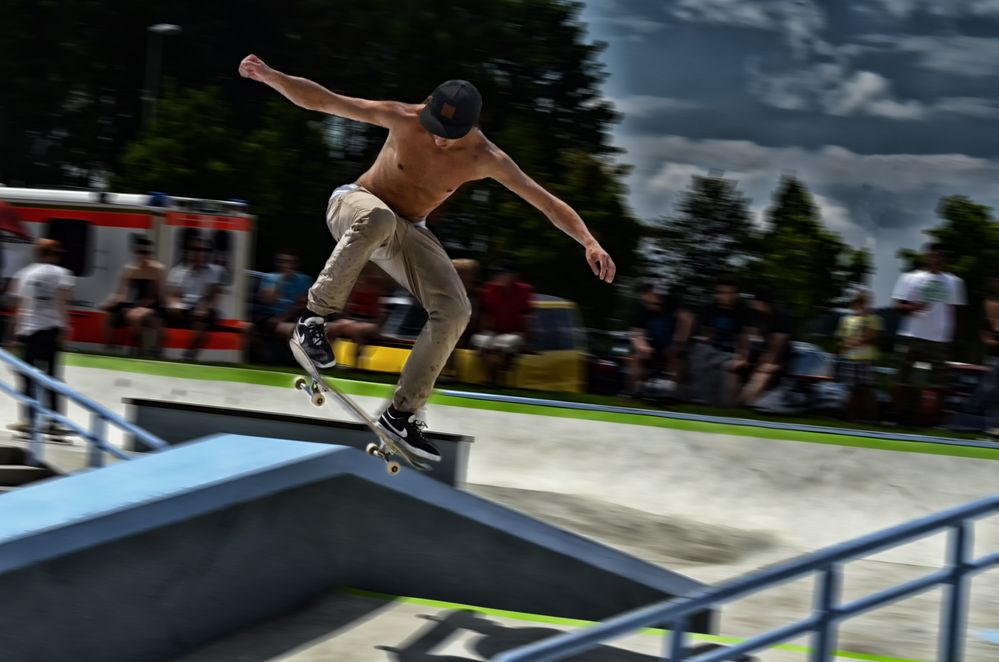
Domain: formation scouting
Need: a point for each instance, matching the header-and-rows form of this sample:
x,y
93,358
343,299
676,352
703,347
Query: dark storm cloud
x,y
881,105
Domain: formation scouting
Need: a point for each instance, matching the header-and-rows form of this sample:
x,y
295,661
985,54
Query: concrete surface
x,y
710,506
352,628
206,538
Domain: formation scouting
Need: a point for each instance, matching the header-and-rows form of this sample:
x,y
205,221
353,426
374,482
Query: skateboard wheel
x,y
372,449
393,468
318,399
300,384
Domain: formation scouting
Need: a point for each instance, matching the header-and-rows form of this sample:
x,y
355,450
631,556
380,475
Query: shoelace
x,y
416,423
315,335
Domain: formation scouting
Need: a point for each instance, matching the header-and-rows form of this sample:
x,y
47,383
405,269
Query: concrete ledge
x,y
176,422
149,558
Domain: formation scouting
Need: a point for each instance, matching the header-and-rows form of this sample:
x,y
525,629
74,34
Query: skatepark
x,y
411,568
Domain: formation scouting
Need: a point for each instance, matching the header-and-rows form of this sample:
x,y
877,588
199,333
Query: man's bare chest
x,y
433,170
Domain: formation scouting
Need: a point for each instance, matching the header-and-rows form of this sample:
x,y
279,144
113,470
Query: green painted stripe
x,y
283,378
577,623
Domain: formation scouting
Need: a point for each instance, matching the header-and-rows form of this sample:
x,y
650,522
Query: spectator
x,y
283,294
927,300
469,270
858,335
364,315
505,322
193,289
42,292
771,330
659,333
724,349
990,338
137,301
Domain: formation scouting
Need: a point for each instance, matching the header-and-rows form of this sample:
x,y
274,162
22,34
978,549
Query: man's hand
x,y
254,68
600,262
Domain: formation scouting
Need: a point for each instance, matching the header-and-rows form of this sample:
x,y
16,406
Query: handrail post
x,y
955,593
676,640
826,601
34,422
98,427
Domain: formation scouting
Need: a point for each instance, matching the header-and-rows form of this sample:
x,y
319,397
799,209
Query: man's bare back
x,y
413,174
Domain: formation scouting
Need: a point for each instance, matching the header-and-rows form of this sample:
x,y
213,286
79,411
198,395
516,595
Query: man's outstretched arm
x,y
564,217
313,96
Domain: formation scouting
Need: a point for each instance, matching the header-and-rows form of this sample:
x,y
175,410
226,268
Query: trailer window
x,y
76,237
185,238
222,247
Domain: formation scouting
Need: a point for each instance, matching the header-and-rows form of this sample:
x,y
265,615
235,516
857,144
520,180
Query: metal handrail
x,y
828,610
100,416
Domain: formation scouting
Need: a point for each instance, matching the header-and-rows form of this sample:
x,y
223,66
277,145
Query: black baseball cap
x,y
453,109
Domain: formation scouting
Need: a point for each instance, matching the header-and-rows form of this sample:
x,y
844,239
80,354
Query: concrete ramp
x,y
147,559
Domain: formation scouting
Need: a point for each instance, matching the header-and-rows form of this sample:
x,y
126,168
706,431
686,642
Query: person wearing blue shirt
x,y
283,295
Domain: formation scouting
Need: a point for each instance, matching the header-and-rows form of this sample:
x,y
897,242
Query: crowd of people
x,y
148,298
728,353
499,328
733,351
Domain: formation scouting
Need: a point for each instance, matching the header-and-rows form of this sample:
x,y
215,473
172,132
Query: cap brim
x,y
438,128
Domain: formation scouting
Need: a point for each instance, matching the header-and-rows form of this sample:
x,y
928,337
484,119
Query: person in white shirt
x,y
192,293
41,293
927,300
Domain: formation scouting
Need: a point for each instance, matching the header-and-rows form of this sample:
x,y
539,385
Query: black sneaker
x,y
407,431
310,336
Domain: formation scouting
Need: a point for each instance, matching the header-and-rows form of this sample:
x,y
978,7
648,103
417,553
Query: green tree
x,y
810,267
709,236
204,158
71,108
970,234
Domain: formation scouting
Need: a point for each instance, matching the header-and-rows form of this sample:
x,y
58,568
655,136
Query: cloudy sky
x,y
881,106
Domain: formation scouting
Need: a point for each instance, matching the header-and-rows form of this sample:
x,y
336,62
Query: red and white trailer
x,y
96,229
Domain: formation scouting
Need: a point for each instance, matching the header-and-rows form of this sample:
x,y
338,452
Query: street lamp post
x,y
154,61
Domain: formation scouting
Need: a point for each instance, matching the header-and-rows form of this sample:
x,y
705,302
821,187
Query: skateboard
x,y
318,388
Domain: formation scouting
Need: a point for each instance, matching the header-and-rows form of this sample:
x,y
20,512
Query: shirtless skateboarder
x,y
432,148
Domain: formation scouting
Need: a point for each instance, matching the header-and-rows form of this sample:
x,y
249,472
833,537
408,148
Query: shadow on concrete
x,y
495,638
318,621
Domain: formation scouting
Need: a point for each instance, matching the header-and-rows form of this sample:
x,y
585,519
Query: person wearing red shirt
x,y
506,321
364,314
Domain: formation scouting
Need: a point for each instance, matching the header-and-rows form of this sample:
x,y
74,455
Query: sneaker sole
x,y
401,442
319,366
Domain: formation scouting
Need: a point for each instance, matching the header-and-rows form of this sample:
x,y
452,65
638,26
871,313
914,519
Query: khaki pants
x,y
366,229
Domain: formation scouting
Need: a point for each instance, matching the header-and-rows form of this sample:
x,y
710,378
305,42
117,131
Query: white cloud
x,y
882,201
832,88
672,178
659,160
726,12
837,217
800,21
962,55
638,105
868,93
948,8
636,24
968,107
